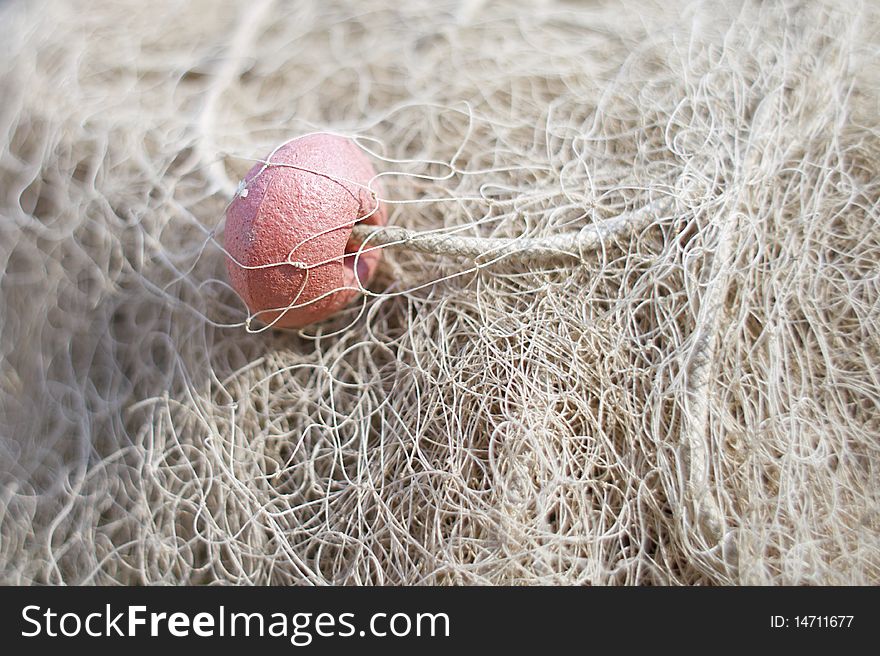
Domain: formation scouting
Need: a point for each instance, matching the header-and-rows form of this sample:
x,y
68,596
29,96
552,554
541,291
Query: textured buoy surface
x,y
297,215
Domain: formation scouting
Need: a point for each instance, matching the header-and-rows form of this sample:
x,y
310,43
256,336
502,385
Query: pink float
x,y
293,219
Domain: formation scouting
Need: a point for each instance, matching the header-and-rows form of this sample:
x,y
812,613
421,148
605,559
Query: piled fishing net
x,y
694,401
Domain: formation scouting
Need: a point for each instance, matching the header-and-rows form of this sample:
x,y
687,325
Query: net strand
x,y
535,251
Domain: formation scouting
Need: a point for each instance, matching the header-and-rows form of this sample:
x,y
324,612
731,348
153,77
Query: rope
x,y
532,250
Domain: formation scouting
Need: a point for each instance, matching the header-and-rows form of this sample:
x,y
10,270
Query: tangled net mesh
x,y
697,402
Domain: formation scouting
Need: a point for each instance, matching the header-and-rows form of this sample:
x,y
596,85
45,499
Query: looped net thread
x,y
694,401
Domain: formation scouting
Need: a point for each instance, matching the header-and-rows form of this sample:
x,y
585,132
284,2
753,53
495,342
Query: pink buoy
x,y
296,216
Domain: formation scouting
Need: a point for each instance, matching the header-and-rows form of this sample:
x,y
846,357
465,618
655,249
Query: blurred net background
x,y
695,403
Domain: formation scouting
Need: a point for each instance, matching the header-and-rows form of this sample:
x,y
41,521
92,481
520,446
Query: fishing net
x,y
692,401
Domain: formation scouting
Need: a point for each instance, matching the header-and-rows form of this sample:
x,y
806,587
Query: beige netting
x,y
697,401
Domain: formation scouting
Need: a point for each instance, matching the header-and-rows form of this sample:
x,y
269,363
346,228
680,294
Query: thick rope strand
x,y
533,250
